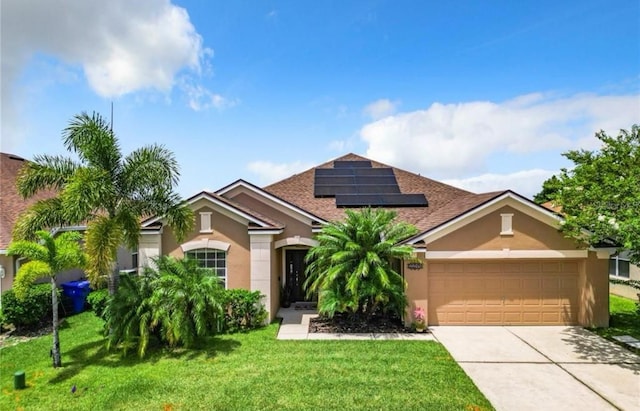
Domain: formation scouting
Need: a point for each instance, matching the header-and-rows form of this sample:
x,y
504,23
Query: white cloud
x,y
526,182
121,46
380,108
456,139
268,172
200,98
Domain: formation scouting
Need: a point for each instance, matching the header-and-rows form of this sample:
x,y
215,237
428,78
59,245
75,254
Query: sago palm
x,y
46,258
103,189
176,302
351,268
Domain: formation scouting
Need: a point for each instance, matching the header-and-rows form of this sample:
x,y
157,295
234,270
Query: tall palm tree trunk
x,y
114,279
55,350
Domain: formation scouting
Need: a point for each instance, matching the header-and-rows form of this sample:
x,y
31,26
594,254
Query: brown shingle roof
x,y
11,203
445,201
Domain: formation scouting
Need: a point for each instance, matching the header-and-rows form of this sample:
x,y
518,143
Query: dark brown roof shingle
x,y
12,203
445,201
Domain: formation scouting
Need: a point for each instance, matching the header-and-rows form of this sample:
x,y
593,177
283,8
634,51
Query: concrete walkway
x,y
295,326
545,368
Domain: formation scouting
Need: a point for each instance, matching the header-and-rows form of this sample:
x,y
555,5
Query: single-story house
x,y
491,258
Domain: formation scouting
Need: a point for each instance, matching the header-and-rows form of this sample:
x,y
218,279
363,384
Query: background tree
x,y
351,268
108,192
601,193
47,257
550,188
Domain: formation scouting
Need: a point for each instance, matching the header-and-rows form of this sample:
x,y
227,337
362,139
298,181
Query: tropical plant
x,y
177,301
104,190
351,268
419,319
600,195
47,257
243,310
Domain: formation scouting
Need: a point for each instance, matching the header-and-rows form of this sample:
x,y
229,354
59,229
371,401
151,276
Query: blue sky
x,y
485,95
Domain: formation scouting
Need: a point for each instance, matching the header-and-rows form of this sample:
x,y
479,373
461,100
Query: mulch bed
x,y
13,335
346,324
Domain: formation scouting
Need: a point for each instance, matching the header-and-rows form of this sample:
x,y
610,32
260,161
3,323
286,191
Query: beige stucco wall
x,y
594,288
226,230
293,227
528,234
484,234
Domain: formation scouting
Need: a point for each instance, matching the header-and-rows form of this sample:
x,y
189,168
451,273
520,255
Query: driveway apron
x,y
545,368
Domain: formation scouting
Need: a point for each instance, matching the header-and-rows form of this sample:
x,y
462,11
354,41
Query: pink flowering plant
x,y
419,318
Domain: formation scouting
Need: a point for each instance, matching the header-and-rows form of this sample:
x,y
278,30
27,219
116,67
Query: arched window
x,y
213,259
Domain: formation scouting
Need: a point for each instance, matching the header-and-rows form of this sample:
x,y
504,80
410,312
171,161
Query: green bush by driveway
x,y
246,371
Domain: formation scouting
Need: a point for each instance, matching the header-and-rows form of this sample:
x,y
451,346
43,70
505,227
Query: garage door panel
x,y
504,293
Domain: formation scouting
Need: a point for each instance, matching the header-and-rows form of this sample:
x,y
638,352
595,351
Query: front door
x,y
295,274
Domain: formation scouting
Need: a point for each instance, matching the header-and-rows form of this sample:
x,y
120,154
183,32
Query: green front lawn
x,y
624,319
241,371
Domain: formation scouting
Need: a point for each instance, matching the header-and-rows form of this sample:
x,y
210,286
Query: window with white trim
x,y
618,267
213,259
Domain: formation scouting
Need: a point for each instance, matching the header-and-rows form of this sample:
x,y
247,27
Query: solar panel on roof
x,y
357,184
334,172
373,171
381,200
352,164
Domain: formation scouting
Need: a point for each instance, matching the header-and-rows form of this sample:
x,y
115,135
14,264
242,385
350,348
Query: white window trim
x,y
205,222
507,224
205,243
226,265
617,275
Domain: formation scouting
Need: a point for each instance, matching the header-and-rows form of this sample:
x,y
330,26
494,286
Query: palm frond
x,y
102,239
28,249
92,139
44,172
44,214
151,166
89,189
27,274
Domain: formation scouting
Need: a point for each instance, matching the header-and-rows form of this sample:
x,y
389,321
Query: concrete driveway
x,y
545,368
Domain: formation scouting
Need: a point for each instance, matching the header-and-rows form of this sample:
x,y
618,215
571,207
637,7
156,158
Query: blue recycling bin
x,y
77,291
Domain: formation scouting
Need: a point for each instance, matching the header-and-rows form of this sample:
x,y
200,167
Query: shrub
x,y
243,310
177,303
98,301
34,309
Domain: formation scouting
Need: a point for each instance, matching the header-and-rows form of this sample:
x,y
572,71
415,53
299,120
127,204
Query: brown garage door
x,y
491,293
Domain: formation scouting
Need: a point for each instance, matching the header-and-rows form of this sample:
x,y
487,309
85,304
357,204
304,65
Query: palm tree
x,y
47,257
351,268
177,302
108,192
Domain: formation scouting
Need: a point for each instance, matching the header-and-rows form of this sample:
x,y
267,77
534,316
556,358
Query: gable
x,y
484,233
294,224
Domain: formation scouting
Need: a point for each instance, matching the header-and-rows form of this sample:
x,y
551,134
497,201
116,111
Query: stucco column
x,y
149,247
261,267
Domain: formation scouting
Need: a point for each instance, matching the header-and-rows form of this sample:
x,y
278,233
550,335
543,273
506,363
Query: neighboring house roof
x,y
445,201
12,203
